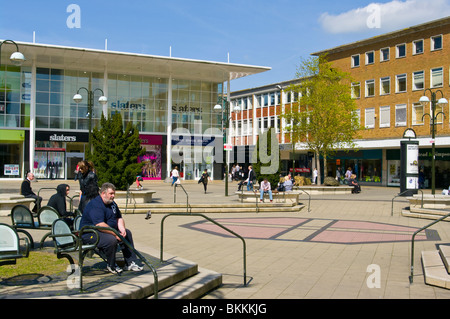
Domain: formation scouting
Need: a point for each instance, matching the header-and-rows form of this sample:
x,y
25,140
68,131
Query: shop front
x,y
366,164
11,153
151,160
57,154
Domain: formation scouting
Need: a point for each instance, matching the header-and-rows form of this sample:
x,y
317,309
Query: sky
x,y
278,34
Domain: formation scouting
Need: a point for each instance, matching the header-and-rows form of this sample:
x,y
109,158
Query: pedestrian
x,y
250,178
348,174
315,176
103,211
204,179
58,202
353,182
27,191
88,183
175,175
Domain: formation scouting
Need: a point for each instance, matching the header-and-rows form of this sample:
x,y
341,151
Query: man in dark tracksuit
x,y
27,191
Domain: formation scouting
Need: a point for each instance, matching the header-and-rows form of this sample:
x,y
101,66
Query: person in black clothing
x,y
58,202
88,183
353,182
26,190
204,179
250,178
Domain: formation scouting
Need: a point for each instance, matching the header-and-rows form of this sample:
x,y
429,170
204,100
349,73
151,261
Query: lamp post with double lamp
x,y
78,98
424,100
16,58
223,106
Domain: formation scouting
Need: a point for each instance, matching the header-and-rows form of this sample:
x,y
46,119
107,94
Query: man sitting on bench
x,y
265,188
27,191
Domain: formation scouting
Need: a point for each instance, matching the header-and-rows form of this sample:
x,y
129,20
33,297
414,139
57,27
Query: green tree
x,y
326,119
266,154
116,151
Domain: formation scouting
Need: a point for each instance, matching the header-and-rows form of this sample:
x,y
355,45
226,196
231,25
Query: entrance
x,y
72,160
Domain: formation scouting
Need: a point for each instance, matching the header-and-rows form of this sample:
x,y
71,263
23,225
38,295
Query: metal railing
x,y
187,196
309,199
138,254
411,277
214,222
401,194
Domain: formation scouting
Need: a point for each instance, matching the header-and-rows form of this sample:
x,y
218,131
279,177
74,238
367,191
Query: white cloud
x,y
386,17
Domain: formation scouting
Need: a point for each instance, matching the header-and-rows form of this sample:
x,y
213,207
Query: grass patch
x,y
38,262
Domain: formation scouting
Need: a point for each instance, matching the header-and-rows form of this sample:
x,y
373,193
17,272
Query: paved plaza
x,y
351,246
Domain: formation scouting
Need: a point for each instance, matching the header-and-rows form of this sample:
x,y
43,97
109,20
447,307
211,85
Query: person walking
x,y
250,178
88,183
175,175
204,179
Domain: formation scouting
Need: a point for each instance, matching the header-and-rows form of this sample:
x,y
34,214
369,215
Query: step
x,y
435,273
425,213
444,251
193,287
165,209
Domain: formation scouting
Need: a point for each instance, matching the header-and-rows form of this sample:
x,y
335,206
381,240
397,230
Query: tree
x,y
116,151
267,157
326,119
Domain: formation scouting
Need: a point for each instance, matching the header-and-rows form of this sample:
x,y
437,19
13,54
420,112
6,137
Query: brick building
x,y
390,73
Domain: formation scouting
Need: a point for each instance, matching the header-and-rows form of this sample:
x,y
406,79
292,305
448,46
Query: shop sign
x,y
11,169
127,105
301,170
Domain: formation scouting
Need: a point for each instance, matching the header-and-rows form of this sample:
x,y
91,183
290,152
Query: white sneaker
x,y
115,270
134,267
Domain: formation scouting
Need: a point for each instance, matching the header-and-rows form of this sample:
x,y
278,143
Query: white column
x,y
105,90
32,115
255,120
169,127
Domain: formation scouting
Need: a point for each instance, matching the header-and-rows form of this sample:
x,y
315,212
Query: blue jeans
x,y
174,179
250,186
262,194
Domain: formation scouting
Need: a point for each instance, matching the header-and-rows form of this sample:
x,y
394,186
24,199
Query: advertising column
x,y
409,173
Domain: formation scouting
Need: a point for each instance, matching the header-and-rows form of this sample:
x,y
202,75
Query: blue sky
x,y
277,34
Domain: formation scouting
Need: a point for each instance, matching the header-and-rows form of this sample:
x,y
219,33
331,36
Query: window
x,y
370,88
400,83
385,85
355,60
356,90
385,116
401,50
418,80
437,77
418,47
370,57
417,114
438,109
384,54
370,118
400,115
436,43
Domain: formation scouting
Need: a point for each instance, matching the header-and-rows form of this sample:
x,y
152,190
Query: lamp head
x,y
77,98
103,100
424,100
17,58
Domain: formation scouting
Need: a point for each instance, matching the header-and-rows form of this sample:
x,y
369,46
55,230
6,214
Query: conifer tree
x,y
116,151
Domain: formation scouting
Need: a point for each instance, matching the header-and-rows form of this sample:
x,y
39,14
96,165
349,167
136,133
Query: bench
x,y
8,201
22,219
325,190
10,249
278,197
134,197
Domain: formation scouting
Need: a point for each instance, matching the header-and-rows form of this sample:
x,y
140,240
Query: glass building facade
x,y
44,130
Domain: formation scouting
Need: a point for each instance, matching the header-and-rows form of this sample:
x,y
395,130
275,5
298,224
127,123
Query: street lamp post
x,y
16,58
78,98
424,100
224,108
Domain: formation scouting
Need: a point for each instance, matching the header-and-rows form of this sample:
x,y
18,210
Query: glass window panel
x,y
42,85
418,80
437,78
42,122
42,109
400,115
385,116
